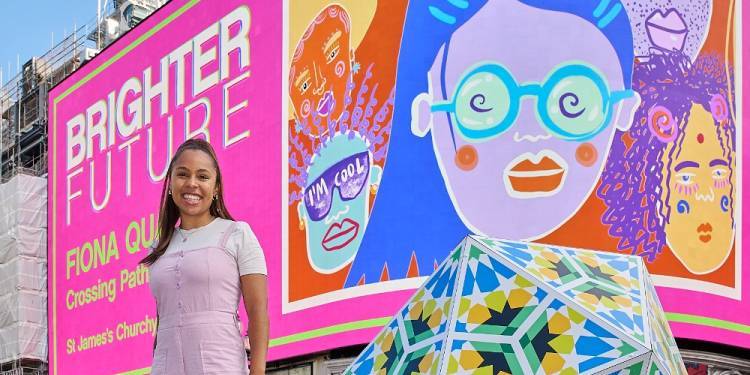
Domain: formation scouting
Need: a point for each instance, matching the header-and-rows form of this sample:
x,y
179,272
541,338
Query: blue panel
x,y
486,278
501,268
592,346
593,362
468,282
597,330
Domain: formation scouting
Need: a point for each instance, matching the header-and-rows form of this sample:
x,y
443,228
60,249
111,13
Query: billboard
x,y
610,125
362,140
193,69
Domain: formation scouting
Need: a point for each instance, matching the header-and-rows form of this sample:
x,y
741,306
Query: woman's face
x,y
525,182
699,230
319,77
193,183
335,203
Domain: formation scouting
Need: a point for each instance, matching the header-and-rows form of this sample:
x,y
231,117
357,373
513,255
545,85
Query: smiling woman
x,y
200,268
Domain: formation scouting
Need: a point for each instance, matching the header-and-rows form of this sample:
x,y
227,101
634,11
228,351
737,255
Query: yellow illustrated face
x,y
699,229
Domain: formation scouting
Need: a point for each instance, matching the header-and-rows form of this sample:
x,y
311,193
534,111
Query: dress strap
x,y
227,233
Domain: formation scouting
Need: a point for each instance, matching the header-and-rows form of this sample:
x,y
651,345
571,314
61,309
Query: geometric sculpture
x,y
504,307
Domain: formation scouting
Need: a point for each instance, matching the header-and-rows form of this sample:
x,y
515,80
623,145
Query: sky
x,y
27,27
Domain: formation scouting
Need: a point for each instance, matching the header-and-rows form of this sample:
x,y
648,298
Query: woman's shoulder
x,y
236,225
239,230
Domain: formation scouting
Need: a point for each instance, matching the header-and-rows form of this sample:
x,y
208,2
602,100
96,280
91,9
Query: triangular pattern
x,y
425,315
634,369
421,326
499,307
605,284
653,368
635,366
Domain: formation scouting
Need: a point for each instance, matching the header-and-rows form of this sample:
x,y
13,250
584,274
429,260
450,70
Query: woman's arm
x,y
255,294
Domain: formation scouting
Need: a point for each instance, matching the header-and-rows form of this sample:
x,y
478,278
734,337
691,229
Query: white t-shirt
x,y
241,244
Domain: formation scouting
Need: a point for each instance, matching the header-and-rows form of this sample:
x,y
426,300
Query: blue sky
x,y
26,27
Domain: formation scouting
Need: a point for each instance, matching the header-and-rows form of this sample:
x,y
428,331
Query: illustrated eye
x,y
718,174
332,54
569,104
576,105
685,178
477,102
482,102
304,86
683,207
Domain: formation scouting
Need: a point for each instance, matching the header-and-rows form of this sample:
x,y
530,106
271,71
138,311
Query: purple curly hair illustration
x,y
366,118
631,188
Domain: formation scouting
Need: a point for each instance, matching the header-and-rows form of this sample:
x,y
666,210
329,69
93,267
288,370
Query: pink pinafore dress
x,y
197,292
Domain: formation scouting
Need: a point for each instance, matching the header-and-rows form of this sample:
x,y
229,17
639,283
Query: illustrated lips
x,y
704,232
667,30
340,234
325,104
541,173
670,21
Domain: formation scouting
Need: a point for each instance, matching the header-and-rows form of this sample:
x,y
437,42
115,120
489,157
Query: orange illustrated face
x,y
322,67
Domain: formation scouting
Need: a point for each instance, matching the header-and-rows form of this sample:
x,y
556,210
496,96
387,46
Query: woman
x,y
198,271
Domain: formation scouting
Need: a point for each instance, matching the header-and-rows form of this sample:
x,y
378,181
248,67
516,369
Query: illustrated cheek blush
x,y
467,157
586,154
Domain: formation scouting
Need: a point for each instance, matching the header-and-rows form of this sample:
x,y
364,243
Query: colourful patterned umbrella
x,y
502,307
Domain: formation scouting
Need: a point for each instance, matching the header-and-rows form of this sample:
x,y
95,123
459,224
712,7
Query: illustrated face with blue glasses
x,y
522,107
335,205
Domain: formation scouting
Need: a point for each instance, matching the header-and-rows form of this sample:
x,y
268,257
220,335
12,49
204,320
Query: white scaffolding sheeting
x,y
23,268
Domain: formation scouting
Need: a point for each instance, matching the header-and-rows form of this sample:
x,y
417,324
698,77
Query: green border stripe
x,y
708,322
140,371
338,328
127,49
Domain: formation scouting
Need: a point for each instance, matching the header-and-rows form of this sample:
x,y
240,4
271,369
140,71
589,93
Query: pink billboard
x,y
193,69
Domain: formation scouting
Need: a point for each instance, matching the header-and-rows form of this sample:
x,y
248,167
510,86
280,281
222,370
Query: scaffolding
x,y
23,271
23,104
23,98
23,184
